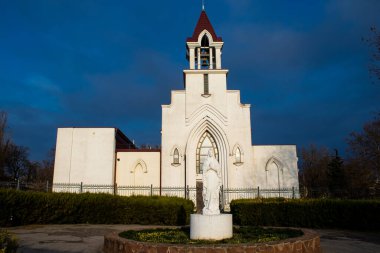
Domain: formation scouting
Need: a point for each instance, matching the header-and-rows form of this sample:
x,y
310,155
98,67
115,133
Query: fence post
x,y
81,187
222,191
115,189
18,184
258,191
151,190
293,193
47,185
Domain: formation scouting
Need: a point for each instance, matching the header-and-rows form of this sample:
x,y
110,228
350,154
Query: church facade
x,y
204,115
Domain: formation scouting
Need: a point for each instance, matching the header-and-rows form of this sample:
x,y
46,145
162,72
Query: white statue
x,y
212,181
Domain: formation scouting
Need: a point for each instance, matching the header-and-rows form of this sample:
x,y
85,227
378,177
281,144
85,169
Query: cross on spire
x,y
203,5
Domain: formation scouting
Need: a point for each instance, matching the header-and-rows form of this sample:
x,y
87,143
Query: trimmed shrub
x,y
8,242
313,213
21,208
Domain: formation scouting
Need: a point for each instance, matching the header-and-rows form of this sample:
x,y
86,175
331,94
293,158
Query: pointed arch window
x,y
238,156
176,156
205,143
274,173
139,164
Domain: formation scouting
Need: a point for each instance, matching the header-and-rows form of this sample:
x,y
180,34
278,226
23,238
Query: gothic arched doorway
x,y
216,136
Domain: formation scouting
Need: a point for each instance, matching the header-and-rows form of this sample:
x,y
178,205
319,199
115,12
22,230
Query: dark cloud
x,y
308,85
301,64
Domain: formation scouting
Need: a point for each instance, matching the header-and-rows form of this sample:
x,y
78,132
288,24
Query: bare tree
x,y
4,143
16,161
364,148
313,171
31,171
374,43
45,171
363,163
359,179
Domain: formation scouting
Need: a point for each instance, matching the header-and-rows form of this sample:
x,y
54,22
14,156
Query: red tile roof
x,y
203,23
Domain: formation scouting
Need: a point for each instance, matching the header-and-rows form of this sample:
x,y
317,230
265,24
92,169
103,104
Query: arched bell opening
x,y
205,54
205,43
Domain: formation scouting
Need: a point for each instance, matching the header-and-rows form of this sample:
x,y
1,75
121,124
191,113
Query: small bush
x,y
21,208
314,213
8,243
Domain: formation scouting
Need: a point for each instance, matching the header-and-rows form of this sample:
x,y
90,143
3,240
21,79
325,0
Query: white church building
x,y
204,115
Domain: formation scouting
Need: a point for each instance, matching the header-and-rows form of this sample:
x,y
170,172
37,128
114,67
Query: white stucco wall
x,y
190,114
138,168
269,160
85,155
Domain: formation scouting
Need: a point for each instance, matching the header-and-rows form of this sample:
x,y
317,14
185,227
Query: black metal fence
x,y
25,186
190,192
371,192
187,192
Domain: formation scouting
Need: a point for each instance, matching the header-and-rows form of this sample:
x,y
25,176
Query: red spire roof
x,y
203,23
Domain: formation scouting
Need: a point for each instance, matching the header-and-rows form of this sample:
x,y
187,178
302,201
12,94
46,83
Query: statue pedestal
x,y
210,227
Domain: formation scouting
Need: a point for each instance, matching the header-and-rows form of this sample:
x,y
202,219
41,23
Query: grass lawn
x,y
182,235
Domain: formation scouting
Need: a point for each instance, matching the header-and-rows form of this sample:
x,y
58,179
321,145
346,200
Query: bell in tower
x,y
204,48
205,53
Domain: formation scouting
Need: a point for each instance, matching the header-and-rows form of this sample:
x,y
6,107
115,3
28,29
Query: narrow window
x,y
176,157
238,156
205,84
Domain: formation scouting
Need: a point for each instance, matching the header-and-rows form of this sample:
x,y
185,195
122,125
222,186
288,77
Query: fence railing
x,y
188,192
251,193
25,186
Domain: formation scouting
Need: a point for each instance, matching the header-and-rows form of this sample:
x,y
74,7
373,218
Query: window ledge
x,y
176,164
206,95
238,163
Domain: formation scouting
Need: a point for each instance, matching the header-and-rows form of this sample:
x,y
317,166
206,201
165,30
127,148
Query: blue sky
x,y
301,64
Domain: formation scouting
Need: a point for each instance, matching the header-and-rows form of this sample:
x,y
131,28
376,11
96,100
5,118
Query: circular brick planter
x,y
308,243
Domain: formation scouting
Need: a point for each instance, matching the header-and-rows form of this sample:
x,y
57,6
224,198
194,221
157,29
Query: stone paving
x,y
89,238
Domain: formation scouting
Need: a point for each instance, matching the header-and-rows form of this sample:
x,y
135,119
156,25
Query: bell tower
x,y
204,48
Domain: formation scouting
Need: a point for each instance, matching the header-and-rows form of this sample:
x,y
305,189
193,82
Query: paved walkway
x,y
336,241
89,238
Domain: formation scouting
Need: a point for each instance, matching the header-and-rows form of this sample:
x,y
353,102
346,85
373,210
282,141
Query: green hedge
x,y
8,242
21,208
314,213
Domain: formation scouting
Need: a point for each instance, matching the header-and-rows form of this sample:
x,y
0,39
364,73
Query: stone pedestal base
x,y
210,227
